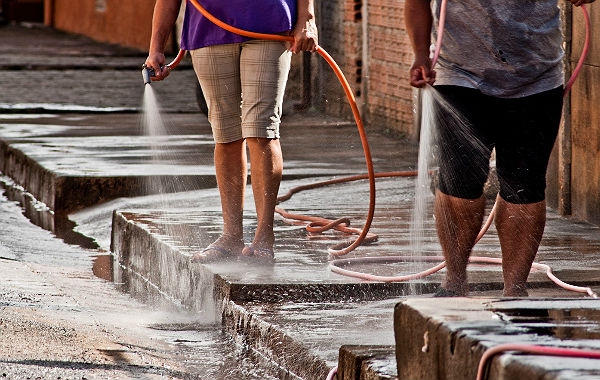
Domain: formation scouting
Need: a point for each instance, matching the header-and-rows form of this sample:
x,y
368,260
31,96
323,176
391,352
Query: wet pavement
x,y
77,156
56,323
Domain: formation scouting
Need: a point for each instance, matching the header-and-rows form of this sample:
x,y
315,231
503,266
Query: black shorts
x,y
522,130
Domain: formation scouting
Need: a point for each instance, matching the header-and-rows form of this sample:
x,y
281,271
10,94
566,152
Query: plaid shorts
x,y
243,84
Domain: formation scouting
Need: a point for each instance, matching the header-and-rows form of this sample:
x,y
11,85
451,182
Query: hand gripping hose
x,y
148,72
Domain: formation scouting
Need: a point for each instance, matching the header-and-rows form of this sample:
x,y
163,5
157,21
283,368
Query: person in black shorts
x,y
500,69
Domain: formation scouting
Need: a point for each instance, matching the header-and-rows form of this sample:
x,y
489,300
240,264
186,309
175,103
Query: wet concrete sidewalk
x,y
94,176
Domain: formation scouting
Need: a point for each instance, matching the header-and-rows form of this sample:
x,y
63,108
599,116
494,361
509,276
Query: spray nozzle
x,y
147,72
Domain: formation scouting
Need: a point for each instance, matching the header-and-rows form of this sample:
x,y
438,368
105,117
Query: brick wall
x,y
389,57
368,40
333,23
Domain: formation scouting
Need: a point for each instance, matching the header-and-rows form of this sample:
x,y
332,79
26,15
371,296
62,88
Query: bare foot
x,y
261,254
458,288
515,291
225,247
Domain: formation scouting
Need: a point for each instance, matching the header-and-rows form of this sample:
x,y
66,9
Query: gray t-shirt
x,y
504,48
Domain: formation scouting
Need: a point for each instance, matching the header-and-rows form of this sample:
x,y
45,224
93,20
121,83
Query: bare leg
x,y
520,229
266,162
231,170
458,222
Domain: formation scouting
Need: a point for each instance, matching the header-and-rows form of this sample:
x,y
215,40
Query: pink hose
x,y
334,266
533,349
584,51
332,373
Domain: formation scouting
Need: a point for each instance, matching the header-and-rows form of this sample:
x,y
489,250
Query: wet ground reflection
x,y
580,324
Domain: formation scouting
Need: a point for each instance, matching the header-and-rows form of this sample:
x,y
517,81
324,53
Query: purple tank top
x,y
262,16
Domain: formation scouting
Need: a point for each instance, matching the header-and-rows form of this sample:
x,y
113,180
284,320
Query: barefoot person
x,y
243,81
501,67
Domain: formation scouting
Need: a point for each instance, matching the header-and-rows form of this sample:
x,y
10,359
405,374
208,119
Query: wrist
x,y
305,17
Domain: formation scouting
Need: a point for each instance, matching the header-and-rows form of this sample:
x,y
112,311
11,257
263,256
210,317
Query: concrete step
x,y
367,363
445,338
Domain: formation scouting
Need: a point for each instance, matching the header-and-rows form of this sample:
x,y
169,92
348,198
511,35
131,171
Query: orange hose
x,y
336,251
319,224
173,64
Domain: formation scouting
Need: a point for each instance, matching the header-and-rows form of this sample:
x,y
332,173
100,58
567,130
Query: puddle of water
x,y
198,344
102,267
210,353
572,324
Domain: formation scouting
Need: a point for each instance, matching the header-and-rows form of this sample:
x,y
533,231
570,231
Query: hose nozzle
x,y
147,72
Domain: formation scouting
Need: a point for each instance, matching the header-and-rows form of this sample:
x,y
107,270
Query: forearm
x,y
419,19
306,35
579,3
306,11
163,21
